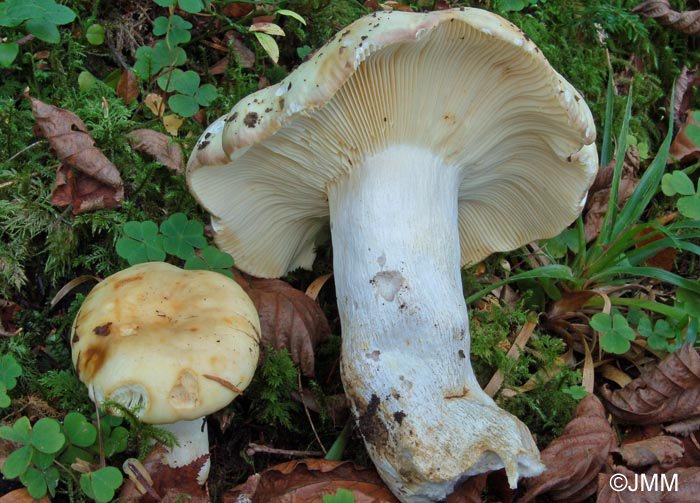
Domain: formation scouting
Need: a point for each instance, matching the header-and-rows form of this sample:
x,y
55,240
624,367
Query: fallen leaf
x,y
21,496
159,146
173,485
288,318
574,459
307,480
242,55
684,427
683,93
663,450
128,87
393,5
87,179
569,302
237,9
7,318
686,21
172,123
599,193
665,258
371,4
668,392
154,102
469,491
622,476
683,148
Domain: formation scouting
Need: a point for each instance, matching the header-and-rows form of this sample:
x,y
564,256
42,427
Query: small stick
x,y
31,145
255,448
308,415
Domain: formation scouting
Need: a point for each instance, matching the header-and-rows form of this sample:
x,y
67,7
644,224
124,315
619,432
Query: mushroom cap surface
x,y
463,83
177,344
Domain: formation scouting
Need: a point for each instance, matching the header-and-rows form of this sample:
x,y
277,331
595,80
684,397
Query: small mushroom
x,y
429,140
170,344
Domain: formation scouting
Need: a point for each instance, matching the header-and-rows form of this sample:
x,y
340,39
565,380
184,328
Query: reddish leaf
x,y
668,392
242,55
688,487
619,479
683,148
7,318
173,485
663,450
665,258
21,496
569,302
469,491
288,318
683,93
87,179
575,458
128,87
307,480
157,145
237,9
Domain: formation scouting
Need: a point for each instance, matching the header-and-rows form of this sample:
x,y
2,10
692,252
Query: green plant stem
x,y
67,470
649,305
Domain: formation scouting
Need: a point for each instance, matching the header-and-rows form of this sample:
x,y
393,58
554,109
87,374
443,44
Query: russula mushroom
x,y
430,140
170,344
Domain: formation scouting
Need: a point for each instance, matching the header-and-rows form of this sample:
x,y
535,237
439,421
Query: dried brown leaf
x,y
665,258
663,450
243,56
469,491
307,480
660,10
237,9
173,485
668,392
683,148
8,309
599,193
159,146
21,496
569,302
606,494
128,87
687,491
288,318
574,459
683,93
87,179
684,427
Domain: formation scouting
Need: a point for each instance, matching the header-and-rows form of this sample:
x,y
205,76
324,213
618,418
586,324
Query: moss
x,y
326,17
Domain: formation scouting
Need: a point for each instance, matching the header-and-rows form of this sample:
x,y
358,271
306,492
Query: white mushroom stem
x,y
405,364
192,443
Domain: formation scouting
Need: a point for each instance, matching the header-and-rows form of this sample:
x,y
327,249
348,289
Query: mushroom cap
x,y
464,83
175,343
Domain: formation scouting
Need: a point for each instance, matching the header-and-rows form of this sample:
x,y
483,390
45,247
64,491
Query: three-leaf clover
x,y
101,484
190,95
211,259
9,372
659,336
616,333
576,392
40,17
151,60
680,183
178,32
182,236
142,243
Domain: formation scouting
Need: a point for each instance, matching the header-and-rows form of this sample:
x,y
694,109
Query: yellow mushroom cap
x,y
176,344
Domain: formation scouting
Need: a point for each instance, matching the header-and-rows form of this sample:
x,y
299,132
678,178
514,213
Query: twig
x,y
308,415
24,150
255,448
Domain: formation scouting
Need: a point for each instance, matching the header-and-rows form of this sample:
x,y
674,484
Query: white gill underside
x,y
405,357
473,101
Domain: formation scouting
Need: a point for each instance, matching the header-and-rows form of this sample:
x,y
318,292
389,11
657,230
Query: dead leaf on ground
x,y
307,480
469,491
288,318
668,392
154,102
662,450
128,87
7,318
21,496
607,495
683,148
172,123
242,55
683,93
87,179
237,9
684,427
664,258
599,193
574,459
159,146
684,21
173,485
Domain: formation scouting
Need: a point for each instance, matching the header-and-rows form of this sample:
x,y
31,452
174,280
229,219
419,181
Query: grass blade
x,y
605,152
554,271
648,272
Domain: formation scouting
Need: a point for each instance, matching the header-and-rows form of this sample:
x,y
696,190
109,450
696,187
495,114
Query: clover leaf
x,y
576,392
211,259
616,333
341,496
47,436
101,484
141,244
660,336
191,6
116,441
17,462
9,371
182,236
20,432
8,53
95,34
38,482
78,430
680,183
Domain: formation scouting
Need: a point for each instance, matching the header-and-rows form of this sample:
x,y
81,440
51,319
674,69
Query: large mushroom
x,y
430,140
172,345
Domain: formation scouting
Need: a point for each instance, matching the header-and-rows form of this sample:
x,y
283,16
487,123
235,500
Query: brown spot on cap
x,y
251,119
281,103
90,362
103,330
122,282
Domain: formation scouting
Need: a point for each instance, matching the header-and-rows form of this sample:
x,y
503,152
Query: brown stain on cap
x,y
91,361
